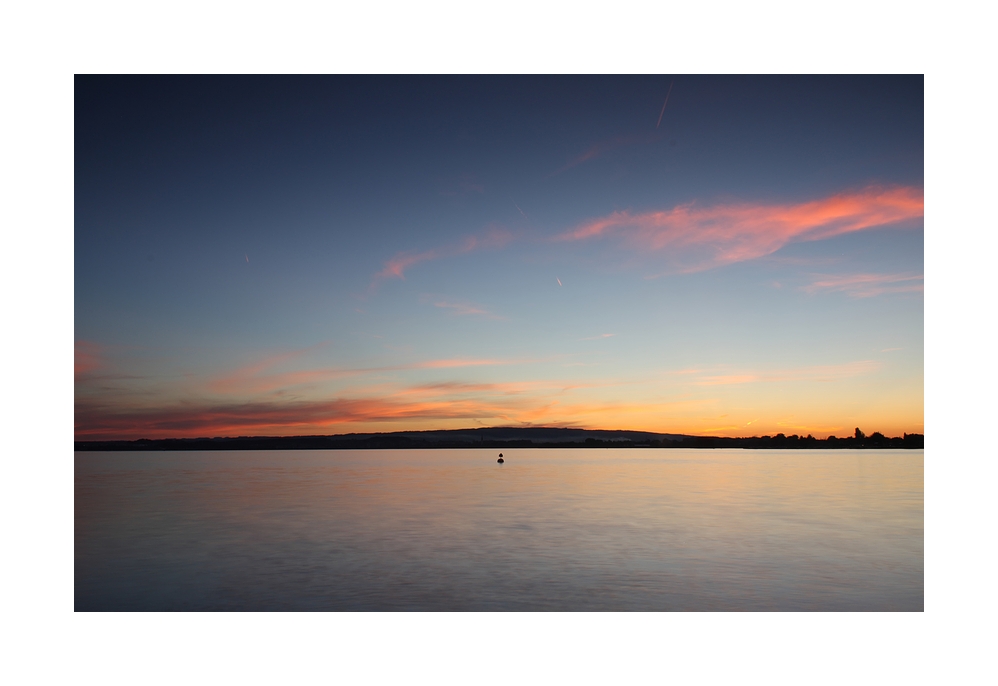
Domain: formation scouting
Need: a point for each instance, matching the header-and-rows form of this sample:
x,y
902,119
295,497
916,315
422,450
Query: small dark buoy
x,y
500,460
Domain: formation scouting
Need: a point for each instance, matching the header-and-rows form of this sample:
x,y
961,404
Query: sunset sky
x,y
729,256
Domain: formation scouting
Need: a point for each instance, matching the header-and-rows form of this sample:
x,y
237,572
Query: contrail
x,y
559,280
517,207
247,258
665,103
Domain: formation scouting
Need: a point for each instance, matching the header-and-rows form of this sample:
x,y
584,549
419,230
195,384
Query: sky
x,y
729,256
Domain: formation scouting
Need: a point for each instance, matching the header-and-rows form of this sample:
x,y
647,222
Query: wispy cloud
x,y
596,338
501,404
94,420
457,362
269,375
660,114
696,238
86,357
603,147
818,373
727,379
463,308
395,267
262,418
466,184
260,376
866,285
243,382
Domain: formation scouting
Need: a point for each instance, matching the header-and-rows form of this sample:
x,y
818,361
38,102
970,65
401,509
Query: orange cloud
x,y
867,285
726,379
271,418
191,420
395,267
431,407
819,373
699,238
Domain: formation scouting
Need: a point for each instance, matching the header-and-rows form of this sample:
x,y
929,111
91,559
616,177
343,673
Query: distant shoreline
x,y
506,438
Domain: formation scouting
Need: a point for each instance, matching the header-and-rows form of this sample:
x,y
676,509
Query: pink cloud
x,y
459,362
363,405
603,147
396,266
258,377
86,357
94,421
697,238
867,285
258,418
431,405
464,309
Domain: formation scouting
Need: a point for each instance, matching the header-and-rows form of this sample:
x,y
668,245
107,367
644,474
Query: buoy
x,y
500,454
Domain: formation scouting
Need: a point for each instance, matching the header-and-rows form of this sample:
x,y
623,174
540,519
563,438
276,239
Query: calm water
x,y
551,529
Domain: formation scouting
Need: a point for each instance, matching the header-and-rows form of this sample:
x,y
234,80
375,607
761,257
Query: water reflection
x,y
550,529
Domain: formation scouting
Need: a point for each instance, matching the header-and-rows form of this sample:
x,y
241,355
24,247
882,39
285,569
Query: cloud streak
x,y
697,238
465,309
466,404
462,309
603,147
264,376
816,374
866,285
86,358
396,266
429,403
662,113
261,418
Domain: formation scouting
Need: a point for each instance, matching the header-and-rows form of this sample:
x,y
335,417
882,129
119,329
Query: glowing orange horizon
x,y
254,399
368,415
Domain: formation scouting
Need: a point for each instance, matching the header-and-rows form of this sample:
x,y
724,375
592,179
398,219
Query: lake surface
x,y
551,529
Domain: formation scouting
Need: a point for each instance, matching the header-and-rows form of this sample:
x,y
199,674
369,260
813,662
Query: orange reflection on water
x,y
549,529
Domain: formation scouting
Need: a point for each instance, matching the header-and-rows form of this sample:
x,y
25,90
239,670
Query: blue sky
x,y
320,255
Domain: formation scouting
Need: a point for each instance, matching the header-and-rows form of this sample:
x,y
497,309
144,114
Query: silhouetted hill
x,y
505,437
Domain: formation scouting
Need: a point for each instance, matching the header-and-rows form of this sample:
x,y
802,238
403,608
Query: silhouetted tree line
x,y
510,439
858,440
